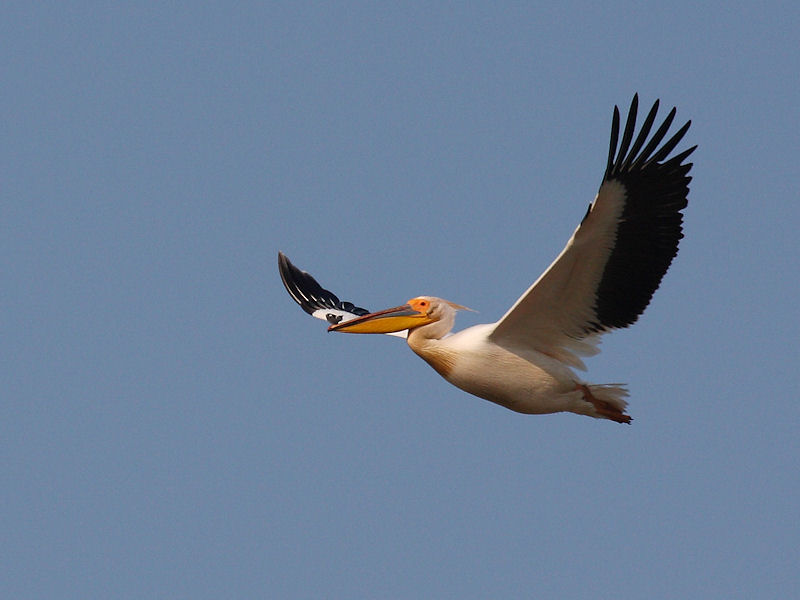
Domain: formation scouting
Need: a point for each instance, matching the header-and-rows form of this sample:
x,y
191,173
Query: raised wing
x,y
614,262
316,300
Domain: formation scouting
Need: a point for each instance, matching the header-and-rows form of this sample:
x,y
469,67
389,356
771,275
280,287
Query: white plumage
x,y
602,280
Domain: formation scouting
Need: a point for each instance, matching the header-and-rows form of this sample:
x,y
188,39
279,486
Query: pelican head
x,y
417,312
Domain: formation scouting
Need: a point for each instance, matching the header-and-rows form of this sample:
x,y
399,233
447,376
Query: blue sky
x,y
173,426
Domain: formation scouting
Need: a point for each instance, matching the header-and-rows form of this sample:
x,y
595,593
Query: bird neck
x,y
426,342
433,352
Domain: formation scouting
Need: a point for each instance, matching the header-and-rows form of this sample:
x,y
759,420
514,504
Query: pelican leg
x,y
603,408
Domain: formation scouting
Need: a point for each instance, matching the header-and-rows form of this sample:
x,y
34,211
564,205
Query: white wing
x,y
613,263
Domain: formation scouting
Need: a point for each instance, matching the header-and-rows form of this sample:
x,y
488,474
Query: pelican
x,y
603,280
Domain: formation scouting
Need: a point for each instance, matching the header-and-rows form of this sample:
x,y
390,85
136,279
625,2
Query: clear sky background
x,y
172,425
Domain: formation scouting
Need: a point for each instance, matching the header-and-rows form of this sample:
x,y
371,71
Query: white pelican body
x,y
533,384
602,280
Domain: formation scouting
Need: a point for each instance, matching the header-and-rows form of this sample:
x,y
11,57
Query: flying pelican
x,y
603,279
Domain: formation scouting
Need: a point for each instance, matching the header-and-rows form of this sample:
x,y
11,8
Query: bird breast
x,y
473,363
